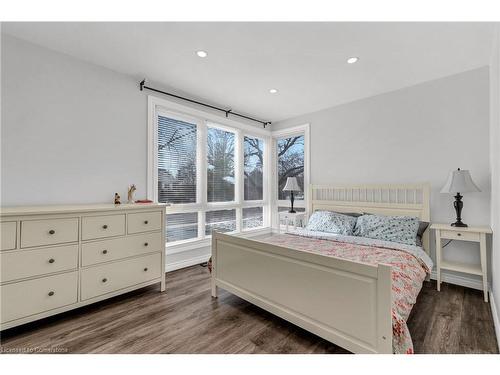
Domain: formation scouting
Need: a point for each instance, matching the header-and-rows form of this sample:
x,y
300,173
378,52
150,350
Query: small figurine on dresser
x,y
117,198
130,194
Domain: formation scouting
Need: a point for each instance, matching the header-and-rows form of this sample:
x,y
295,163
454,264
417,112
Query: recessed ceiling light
x,y
352,60
273,91
201,53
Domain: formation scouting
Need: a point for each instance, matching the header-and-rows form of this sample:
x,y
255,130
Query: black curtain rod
x,y
142,86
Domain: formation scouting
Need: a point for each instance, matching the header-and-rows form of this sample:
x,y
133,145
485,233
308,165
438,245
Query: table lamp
x,y
291,186
459,181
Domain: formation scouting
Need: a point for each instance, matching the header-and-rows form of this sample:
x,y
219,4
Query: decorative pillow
x,y
331,222
401,229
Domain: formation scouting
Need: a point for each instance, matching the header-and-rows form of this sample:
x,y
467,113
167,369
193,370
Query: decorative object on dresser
x,y
117,199
295,218
473,234
291,186
459,181
130,194
57,258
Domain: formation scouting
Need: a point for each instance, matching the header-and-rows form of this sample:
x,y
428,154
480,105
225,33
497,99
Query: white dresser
x,y
57,258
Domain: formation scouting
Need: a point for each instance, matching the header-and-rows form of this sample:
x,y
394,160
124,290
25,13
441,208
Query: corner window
x,y
212,175
290,156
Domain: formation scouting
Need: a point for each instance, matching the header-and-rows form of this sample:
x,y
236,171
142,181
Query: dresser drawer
x,y
28,263
102,226
144,222
8,233
107,278
48,232
118,248
35,296
457,235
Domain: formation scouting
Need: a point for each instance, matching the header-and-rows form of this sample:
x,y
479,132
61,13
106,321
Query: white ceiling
x,y
306,62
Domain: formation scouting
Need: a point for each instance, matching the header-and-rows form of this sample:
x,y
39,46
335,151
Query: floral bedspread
x,y
408,273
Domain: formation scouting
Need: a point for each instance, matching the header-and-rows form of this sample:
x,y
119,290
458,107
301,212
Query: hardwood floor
x,y
186,319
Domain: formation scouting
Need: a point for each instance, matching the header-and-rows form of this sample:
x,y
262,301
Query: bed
x,y
327,286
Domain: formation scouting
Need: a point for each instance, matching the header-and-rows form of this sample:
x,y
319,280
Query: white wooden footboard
x,y
345,302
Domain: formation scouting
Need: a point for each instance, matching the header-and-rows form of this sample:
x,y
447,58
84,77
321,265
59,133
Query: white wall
x,y
71,132
416,134
495,176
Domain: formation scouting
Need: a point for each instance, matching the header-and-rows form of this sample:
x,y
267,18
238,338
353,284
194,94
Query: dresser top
x,y
63,209
477,229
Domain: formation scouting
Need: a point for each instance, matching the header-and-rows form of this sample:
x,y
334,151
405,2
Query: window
x,y
291,152
220,165
221,221
213,175
253,172
290,156
176,161
183,226
253,217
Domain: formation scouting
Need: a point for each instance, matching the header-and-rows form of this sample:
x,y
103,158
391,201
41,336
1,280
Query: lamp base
x,y
459,224
291,211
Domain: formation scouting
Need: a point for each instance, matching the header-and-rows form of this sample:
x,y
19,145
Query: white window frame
x,y
287,133
203,120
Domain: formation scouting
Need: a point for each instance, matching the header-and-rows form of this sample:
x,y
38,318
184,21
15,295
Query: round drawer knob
x,y
51,260
51,293
459,234
52,231
104,226
105,251
145,221
146,244
145,269
104,280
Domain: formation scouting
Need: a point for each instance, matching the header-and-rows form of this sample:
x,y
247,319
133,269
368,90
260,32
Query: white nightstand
x,y
288,217
473,234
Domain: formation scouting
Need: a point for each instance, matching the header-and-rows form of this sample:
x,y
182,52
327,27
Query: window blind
x,y
220,165
182,226
253,162
176,161
221,221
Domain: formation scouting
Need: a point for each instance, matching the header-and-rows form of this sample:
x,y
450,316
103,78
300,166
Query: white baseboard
x,y
186,263
496,318
459,280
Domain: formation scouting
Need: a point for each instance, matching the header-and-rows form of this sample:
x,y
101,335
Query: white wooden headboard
x,y
390,199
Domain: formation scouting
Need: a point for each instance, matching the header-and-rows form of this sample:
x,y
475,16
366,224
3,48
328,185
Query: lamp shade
x,y
291,184
459,181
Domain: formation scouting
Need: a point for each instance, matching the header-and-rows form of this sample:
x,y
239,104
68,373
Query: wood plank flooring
x,y
186,319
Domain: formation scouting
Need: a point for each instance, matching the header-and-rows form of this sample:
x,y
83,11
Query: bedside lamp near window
x,y
291,186
459,181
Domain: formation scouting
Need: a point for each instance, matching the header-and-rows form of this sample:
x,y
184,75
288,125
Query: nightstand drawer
x,y
458,235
